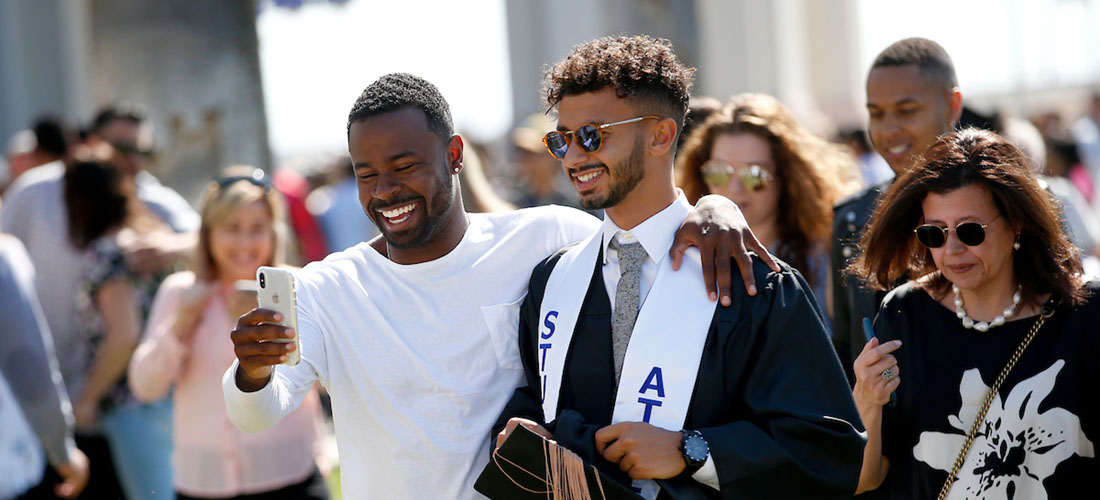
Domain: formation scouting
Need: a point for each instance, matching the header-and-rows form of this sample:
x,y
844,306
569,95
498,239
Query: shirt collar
x,y
655,233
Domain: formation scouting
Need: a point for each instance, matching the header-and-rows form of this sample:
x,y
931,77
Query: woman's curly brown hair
x,y
812,173
1046,261
640,67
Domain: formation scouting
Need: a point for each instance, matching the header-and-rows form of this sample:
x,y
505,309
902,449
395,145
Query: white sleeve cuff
x,y
250,411
708,474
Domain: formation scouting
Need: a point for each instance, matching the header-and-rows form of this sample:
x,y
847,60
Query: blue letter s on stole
x,y
543,347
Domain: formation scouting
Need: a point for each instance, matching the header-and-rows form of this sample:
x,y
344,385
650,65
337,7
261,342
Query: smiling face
x,y
980,269
605,177
242,241
742,150
405,183
907,111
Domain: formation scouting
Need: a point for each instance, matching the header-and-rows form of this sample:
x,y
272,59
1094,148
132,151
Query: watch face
x,y
696,448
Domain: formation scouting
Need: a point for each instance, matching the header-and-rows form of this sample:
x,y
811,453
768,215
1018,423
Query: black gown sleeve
x,y
796,434
842,329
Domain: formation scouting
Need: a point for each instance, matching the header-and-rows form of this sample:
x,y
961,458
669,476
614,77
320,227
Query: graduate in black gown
x,y
762,409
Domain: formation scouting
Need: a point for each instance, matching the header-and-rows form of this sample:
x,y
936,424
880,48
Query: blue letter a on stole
x,y
654,381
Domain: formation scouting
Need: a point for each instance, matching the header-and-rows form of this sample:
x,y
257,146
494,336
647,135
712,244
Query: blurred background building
x,y
193,63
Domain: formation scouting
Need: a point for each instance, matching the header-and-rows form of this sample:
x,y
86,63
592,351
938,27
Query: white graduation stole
x,y
666,345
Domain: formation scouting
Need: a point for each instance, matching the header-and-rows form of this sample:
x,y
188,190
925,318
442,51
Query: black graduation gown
x,y
770,399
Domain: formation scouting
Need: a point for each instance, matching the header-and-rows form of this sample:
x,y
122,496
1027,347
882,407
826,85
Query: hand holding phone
x,y
277,293
265,337
869,333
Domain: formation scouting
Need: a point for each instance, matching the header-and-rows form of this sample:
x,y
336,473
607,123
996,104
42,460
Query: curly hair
x,y
640,68
812,173
395,91
1046,261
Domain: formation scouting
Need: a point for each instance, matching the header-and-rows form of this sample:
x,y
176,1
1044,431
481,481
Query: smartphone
x,y
869,333
276,292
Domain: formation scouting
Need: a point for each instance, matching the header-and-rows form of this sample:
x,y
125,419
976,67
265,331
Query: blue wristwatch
x,y
695,451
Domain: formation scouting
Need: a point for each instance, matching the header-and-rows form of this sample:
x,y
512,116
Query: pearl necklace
x,y
982,326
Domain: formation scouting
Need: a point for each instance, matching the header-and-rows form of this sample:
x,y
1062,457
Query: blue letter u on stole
x,y
654,381
544,347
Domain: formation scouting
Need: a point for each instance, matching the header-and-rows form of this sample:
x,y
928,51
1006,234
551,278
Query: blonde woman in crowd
x,y
785,179
186,346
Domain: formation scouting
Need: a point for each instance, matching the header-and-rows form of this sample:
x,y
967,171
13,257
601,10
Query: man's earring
x,y
456,169
1016,245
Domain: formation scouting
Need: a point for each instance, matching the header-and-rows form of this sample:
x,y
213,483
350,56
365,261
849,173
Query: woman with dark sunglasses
x,y
996,330
785,179
186,348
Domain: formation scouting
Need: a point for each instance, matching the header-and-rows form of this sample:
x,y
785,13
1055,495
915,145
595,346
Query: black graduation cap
x,y
517,471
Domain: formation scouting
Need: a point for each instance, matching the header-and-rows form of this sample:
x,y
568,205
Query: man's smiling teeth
x,y
588,176
397,212
897,149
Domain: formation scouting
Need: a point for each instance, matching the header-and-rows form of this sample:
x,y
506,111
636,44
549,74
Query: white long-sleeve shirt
x,y
419,359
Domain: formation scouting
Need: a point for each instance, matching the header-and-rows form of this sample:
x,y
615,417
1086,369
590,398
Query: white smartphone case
x,y
277,293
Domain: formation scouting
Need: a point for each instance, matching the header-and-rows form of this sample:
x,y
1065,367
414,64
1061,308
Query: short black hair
x,y
928,56
129,111
54,135
639,67
396,91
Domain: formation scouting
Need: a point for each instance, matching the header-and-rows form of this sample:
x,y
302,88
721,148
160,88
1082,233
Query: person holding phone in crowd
x,y
186,347
991,342
414,333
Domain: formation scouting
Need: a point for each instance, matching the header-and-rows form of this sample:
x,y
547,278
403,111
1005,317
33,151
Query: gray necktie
x,y
631,257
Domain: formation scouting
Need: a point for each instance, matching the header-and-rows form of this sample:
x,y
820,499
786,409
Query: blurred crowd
x,y
117,293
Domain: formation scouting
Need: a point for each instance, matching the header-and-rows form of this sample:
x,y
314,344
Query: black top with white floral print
x,y
1038,438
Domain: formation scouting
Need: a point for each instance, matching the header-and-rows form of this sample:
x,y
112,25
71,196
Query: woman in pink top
x,y
187,345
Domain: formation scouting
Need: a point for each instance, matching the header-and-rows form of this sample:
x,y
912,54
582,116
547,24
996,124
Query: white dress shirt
x,y
656,235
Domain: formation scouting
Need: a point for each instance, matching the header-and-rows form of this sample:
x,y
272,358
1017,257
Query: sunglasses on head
x,y
257,178
970,234
717,173
590,137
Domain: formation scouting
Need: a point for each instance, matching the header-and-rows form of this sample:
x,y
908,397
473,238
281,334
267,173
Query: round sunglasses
x,y
970,234
589,137
717,173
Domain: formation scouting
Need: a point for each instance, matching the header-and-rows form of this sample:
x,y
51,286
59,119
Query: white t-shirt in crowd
x,y
419,359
